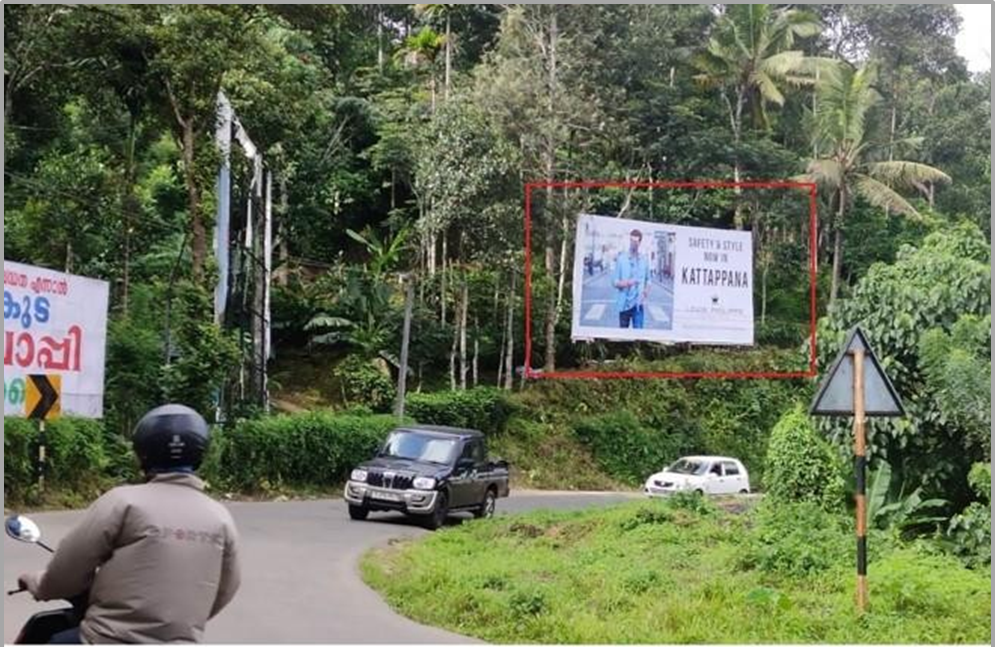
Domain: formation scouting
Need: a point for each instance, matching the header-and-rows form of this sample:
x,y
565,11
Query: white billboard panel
x,y
642,281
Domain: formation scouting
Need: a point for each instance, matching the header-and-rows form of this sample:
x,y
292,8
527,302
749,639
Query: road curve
x,y
301,579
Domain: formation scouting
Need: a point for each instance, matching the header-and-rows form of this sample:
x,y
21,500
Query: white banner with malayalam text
x,y
642,281
54,324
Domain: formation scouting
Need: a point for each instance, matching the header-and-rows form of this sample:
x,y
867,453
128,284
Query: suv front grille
x,y
393,482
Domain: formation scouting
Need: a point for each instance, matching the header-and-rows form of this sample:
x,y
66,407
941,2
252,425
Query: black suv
x,y
428,472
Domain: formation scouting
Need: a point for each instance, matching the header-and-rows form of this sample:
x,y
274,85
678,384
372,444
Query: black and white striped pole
x,y
860,436
856,385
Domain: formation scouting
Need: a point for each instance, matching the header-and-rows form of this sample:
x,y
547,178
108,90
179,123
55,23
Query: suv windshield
x,y
684,466
419,447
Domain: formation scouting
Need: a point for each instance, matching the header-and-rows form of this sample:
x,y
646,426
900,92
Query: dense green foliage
x,y
316,450
937,291
484,409
80,460
970,533
802,466
674,573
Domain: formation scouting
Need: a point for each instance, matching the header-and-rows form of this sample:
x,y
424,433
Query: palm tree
x,y
423,47
446,11
749,57
847,168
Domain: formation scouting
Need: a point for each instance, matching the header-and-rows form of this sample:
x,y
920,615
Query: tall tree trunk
x,y
464,311
445,276
449,54
452,358
197,229
402,375
551,308
564,264
283,210
838,248
380,48
737,167
433,243
509,355
129,212
501,351
476,353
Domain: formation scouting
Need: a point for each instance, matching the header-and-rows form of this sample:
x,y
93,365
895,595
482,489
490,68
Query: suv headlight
x,y
359,476
424,483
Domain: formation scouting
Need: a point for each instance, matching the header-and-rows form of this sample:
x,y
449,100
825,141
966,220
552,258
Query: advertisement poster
x,y
641,281
54,324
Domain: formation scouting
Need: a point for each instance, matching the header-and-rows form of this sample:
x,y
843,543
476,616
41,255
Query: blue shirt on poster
x,y
630,268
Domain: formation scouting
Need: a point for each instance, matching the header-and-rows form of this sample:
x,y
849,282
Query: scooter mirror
x,y
23,529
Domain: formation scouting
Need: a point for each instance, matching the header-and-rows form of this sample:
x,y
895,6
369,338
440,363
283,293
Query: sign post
x,y
850,388
42,404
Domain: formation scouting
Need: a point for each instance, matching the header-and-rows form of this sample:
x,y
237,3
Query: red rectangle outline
x,y
812,190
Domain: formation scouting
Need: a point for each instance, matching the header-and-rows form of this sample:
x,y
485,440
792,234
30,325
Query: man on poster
x,y
631,281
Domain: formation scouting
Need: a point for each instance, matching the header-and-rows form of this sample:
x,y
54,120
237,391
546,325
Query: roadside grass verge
x,y
680,572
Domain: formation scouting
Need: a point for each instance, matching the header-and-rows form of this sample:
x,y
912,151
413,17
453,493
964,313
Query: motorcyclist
x,y
158,560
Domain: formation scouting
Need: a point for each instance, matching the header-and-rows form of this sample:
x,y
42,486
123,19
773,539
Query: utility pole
x,y
402,379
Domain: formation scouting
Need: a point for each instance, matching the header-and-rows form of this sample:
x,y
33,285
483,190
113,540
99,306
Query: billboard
x,y
642,281
54,325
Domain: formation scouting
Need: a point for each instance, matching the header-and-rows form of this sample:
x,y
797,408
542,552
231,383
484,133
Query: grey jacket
x,y
159,560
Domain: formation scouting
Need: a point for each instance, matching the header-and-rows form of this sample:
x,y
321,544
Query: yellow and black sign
x,y
43,397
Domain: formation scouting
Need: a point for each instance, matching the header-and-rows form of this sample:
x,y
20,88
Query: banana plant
x,y
889,507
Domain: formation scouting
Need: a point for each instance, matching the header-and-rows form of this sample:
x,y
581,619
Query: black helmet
x,y
171,437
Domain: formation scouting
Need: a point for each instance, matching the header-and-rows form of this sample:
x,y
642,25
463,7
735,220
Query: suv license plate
x,y
387,496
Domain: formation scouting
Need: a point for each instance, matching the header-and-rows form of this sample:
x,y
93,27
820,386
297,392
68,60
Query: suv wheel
x,y
438,517
488,507
358,513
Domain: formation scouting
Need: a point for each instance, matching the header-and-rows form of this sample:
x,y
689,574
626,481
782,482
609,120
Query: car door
x,y
715,479
464,477
484,471
732,482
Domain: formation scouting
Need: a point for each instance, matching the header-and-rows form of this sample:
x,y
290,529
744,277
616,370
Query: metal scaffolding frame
x,y
243,247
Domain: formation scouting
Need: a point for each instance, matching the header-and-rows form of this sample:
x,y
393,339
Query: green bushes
x,y
629,451
796,540
484,409
970,534
801,466
364,384
19,438
77,455
314,450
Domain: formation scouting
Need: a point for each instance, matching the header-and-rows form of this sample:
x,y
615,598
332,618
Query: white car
x,y
702,474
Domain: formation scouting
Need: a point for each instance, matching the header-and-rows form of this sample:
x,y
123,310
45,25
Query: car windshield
x,y
685,466
419,447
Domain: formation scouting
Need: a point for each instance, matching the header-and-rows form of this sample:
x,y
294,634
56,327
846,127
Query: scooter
x,y
41,627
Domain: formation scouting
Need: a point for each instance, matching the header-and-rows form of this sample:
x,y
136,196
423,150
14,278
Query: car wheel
x,y
488,507
744,492
438,517
700,492
358,513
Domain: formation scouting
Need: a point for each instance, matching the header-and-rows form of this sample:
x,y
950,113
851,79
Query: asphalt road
x,y
598,304
301,579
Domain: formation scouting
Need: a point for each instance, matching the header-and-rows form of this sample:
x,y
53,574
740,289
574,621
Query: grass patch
x,y
546,456
677,573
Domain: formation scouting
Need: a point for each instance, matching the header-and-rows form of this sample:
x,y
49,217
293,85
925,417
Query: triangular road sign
x,y
835,396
